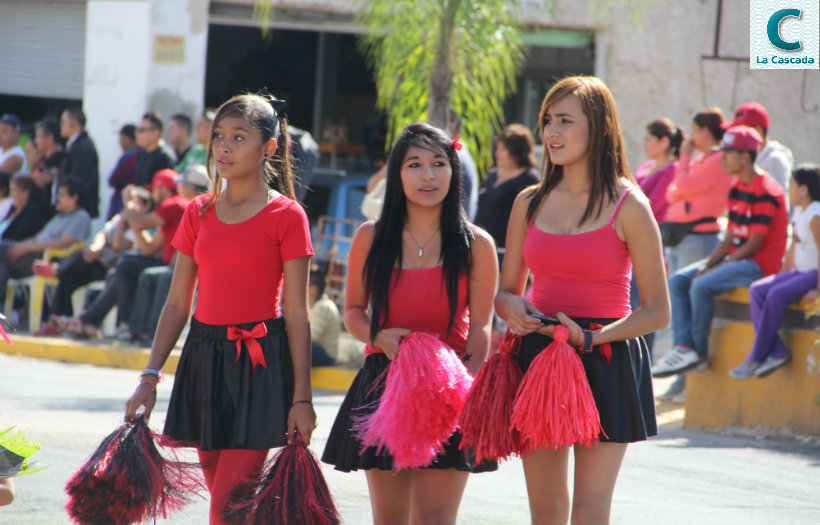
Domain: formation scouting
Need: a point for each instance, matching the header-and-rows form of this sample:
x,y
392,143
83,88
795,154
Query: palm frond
x,y
15,450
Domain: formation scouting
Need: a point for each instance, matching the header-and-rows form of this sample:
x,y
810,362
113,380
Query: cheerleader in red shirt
x,y
243,381
580,232
420,267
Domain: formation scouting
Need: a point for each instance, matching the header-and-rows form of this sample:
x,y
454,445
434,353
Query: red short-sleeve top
x,y
240,266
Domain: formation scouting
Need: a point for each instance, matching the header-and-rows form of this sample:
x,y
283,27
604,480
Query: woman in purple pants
x,y
769,297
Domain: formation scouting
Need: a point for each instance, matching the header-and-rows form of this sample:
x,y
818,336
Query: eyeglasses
x,y
143,130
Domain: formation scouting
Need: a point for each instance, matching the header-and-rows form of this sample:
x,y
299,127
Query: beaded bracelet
x,y
302,401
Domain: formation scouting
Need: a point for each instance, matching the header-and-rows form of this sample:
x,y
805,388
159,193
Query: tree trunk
x,y
441,82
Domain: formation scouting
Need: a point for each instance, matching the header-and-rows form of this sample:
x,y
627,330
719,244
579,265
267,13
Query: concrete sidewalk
x,y
113,354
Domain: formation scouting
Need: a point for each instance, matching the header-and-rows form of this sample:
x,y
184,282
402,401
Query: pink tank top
x,y
418,302
582,275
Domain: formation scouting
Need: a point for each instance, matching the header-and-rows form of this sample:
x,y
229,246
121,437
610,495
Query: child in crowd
x,y
769,297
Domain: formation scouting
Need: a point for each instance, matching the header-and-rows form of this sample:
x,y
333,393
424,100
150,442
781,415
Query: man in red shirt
x,y
165,218
753,247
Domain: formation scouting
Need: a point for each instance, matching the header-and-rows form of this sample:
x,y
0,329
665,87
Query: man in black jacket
x,y
81,161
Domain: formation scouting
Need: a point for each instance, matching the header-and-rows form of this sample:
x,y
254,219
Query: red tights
x,y
223,470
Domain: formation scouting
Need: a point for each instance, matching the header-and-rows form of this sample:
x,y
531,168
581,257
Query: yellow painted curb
x,y
70,351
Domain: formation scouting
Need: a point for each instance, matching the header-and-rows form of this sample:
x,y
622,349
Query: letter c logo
x,y
773,29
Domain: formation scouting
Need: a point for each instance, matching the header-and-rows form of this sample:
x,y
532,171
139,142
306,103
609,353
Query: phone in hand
x,y
545,319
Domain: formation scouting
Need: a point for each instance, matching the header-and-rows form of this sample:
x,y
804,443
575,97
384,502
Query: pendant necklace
x,y
421,246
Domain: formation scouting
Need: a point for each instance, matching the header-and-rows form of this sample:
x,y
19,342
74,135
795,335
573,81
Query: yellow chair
x,y
37,286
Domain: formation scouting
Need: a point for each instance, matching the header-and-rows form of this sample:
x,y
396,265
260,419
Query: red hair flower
x,y
456,144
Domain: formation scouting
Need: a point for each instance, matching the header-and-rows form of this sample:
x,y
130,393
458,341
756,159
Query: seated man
x,y
753,248
70,225
170,206
325,322
94,262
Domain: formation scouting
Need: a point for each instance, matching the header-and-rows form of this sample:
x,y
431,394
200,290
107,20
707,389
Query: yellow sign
x,y
169,48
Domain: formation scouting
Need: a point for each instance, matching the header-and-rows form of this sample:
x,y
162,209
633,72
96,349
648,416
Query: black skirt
x,y
343,449
220,401
622,390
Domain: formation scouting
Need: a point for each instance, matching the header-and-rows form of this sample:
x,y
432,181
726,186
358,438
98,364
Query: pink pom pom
x,y
425,391
554,406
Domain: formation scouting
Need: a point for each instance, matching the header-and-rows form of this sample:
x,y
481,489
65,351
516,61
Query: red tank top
x,y
583,275
418,302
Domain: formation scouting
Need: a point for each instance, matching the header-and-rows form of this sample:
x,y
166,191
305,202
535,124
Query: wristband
x,y
153,372
587,342
302,402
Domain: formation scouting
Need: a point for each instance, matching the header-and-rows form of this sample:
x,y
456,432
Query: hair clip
x,y
456,144
280,107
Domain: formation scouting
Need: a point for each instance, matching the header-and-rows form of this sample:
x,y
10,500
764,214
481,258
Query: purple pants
x,y
768,299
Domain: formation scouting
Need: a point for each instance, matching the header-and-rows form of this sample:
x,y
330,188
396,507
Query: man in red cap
x,y
170,206
754,245
774,158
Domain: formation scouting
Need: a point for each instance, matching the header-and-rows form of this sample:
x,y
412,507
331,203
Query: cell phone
x,y
545,319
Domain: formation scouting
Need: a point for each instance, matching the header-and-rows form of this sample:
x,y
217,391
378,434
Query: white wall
x,y
657,70
122,81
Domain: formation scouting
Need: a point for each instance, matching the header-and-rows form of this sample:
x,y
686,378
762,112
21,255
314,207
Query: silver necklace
x,y
421,246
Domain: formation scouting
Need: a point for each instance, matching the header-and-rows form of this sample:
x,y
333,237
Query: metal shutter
x,y
42,48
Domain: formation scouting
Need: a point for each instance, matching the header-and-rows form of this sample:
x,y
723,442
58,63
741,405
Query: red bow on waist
x,y
604,348
249,337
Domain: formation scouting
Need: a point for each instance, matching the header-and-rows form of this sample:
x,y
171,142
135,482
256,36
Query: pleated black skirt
x,y
219,401
622,390
343,449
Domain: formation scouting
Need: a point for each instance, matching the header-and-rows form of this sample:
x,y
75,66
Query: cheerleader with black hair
x,y
419,267
243,381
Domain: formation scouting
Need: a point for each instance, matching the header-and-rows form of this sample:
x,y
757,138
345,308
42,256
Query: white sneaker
x,y
680,359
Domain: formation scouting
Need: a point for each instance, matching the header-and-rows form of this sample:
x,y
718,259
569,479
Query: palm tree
x,y
435,60
440,60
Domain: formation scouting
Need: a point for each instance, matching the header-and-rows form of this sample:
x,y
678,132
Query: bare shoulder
x,y
636,202
366,230
483,243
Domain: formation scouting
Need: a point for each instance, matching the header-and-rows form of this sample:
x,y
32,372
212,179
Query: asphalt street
x,y
678,477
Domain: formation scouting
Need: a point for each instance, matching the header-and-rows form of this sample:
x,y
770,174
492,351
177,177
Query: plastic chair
x,y
38,286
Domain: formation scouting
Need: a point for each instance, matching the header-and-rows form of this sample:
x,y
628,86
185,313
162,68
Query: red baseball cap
x,y
164,179
751,114
741,138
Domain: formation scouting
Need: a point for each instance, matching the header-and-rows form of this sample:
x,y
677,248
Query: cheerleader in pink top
x,y
580,232
420,267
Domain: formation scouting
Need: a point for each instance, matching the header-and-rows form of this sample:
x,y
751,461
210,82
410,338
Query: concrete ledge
x,y
100,354
788,400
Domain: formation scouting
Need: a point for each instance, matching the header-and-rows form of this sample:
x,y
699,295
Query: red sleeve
x,y
185,237
294,238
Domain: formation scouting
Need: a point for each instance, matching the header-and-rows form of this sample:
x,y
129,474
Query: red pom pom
x,y
485,418
426,387
554,406
291,490
126,480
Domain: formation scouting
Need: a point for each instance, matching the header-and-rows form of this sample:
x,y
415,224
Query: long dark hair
x,y
260,115
606,153
385,254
